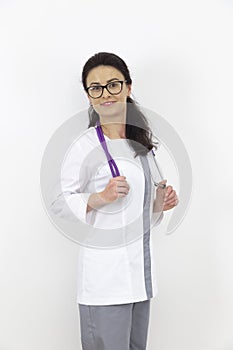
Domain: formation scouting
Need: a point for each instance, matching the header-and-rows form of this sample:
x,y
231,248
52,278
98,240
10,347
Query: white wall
x,y
180,56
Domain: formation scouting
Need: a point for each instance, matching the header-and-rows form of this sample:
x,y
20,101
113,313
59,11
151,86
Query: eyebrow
x,y
108,81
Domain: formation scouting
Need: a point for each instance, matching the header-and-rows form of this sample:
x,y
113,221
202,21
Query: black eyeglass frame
x,y
106,87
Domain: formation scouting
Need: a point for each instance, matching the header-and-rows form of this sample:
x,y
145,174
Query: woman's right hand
x,y
117,187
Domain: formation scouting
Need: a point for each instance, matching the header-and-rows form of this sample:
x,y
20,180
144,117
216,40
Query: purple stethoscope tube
x,y
111,162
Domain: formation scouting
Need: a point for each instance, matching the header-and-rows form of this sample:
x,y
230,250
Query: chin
x,y
114,111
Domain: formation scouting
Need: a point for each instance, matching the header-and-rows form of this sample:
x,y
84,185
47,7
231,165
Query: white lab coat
x,y
121,272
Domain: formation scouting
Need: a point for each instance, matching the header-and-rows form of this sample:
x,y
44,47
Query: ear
x,y
129,89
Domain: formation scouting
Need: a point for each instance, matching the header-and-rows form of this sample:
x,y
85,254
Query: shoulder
x,y
85,142
87,136
86,139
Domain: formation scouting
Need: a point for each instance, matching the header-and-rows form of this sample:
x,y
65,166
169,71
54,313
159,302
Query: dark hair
x,y
137,128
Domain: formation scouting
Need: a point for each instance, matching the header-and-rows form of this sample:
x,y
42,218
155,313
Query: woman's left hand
x,y
170,198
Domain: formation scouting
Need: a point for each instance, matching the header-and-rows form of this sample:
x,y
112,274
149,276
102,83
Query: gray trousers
x,y
114,327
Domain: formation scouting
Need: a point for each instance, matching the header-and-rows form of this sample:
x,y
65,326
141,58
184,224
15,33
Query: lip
x,y
107,103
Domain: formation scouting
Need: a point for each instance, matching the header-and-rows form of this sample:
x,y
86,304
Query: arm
x,y
70,197
117,187
95,201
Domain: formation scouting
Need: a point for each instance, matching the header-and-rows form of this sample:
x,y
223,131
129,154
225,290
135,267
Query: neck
x,y
114,130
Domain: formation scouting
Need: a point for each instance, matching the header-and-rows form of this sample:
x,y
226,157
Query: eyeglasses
x,y
114,88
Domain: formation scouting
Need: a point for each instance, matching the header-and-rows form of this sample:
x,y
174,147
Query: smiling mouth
x,y
107,103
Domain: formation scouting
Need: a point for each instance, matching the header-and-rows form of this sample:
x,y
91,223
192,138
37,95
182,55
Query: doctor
x,y
115,286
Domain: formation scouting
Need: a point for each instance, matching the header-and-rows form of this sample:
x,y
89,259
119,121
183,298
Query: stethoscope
x,y
112,164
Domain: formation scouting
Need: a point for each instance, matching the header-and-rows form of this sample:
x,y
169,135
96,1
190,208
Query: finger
x,y
123,184
169,189
171,195
172,202
123,189
167,207
122,192
121,195
119,178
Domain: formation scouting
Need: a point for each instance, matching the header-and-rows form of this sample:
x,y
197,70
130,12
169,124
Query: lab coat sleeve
x,y
72,199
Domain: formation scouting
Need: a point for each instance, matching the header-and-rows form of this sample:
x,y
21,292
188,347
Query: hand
x,y
170,199
117,187
160,197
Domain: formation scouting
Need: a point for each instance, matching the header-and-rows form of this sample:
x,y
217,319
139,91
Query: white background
x,y
180,57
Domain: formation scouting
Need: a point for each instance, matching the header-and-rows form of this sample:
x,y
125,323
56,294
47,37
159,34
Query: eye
x,y
113,84
95,88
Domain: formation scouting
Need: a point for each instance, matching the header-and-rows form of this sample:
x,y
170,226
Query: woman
x,y
115,285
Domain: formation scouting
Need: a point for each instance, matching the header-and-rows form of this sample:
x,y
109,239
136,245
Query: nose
x,y
105,93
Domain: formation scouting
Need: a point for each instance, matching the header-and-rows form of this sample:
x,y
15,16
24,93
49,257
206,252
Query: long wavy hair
x,y
138,132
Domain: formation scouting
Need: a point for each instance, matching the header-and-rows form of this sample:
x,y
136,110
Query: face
x,y
108,105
